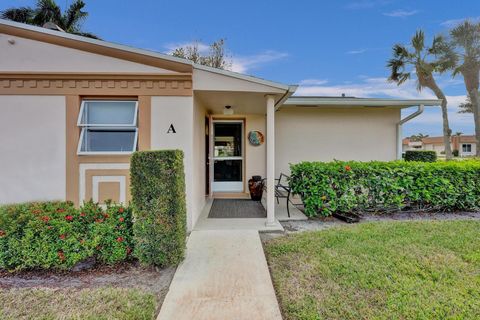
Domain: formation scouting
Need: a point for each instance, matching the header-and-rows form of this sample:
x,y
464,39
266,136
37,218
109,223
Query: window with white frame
x,y
467,148
108,127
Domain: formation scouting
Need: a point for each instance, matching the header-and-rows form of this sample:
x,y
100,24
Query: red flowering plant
x,y
112,234
57,235
36,232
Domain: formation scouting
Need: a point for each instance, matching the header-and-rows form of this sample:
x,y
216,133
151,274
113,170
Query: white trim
x,y
120,179
86,166
359,102
227,186
464,144
83,153
82,108
270,104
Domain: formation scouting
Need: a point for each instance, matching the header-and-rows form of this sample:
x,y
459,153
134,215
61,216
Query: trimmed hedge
x,y
158,196
420,155
382,187
56,235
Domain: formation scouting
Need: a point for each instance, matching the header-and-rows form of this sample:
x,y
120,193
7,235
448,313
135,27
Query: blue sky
x,y
328,47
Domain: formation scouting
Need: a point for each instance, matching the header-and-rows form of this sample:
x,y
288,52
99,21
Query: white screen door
x,y
227,156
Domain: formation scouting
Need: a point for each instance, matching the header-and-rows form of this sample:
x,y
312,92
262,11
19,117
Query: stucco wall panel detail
x,y
32,148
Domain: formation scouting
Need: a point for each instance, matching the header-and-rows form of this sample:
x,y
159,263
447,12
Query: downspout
x,y
291,90
399,129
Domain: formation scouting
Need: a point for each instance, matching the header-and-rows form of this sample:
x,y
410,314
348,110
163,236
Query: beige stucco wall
x,y
438,148
314,134
32,148
255,155
199,160
35,56
179,112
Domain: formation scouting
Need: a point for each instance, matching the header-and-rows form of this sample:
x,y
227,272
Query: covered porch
x,y
239,107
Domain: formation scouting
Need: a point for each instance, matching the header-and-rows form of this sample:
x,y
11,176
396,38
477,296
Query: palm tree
x,y
463,51
46,11
418,137
422,62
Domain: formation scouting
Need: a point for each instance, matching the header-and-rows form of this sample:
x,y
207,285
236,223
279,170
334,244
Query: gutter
x,y
419,111
290,91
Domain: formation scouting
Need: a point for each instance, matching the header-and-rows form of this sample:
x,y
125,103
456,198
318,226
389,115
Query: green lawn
x,y
382,270
98,304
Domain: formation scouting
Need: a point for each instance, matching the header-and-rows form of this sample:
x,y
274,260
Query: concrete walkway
x,y
224,277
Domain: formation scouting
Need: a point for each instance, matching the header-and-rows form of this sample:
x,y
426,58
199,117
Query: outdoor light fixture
x,y
228,110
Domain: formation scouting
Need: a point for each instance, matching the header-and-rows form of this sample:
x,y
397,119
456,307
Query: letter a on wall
x,y
171,129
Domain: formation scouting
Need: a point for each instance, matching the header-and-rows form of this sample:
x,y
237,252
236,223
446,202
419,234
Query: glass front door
x,y
227,156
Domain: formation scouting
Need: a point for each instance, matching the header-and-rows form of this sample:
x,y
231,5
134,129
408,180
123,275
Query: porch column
x,y
270,160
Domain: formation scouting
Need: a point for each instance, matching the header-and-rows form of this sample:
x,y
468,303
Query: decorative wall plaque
x,y
256,138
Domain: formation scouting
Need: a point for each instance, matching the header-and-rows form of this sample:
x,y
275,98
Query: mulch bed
x,y
125,275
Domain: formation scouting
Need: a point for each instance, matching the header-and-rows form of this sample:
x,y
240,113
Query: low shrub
x,y
420,155
56,235
455,152
382,187
158,196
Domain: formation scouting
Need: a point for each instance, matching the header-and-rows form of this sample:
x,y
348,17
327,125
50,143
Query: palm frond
x,y
466,34
22,14
397,71
47,11
86,34
418,41
401,52
418,85
74,15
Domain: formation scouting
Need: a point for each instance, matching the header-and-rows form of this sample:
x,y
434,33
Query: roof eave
x,y
120,47
360,102
93,41
241,76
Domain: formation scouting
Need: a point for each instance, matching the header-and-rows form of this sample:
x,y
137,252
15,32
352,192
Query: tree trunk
x,y
471,78
429,82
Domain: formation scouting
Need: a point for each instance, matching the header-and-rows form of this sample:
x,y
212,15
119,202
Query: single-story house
x,y
73,109
465,144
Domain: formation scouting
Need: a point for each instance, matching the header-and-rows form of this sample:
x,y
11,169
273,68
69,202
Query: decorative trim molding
x,y
96,84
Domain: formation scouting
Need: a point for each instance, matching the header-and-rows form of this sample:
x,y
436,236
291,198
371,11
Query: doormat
x,y
236,208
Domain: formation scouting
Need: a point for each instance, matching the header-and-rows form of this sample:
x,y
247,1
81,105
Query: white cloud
x,y
202,47
367,87
453,22
238,63
313,82
359,51
243,64
400,13
367,4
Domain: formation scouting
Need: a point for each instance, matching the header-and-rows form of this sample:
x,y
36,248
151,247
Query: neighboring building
x,y
73,109
466,145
